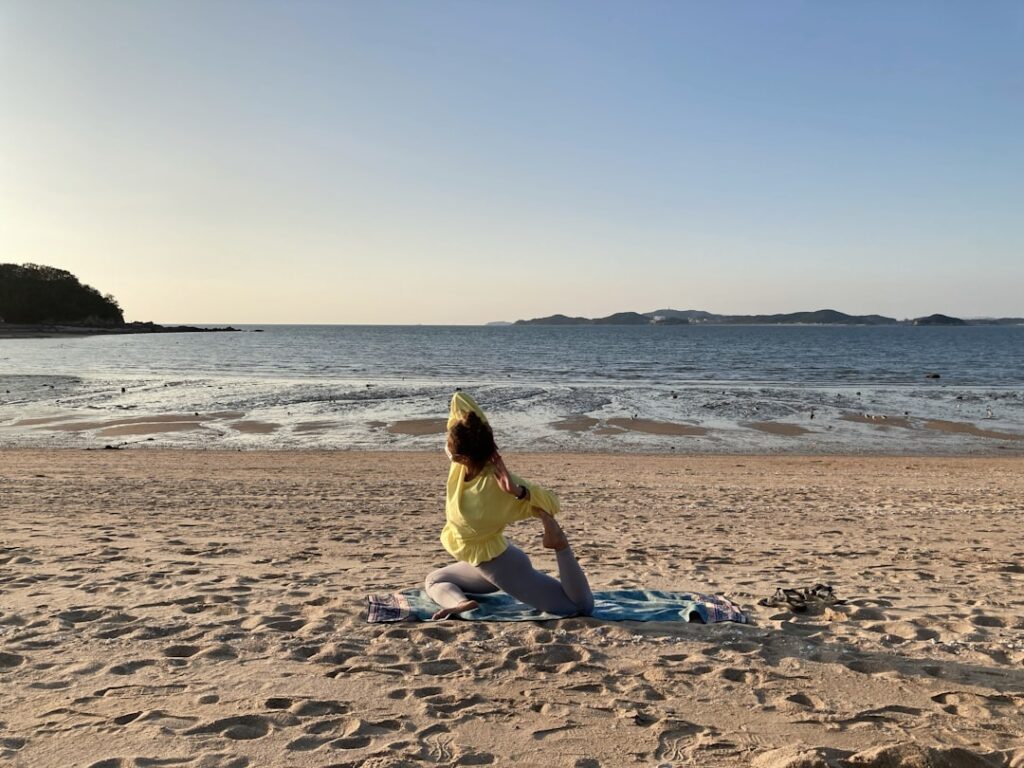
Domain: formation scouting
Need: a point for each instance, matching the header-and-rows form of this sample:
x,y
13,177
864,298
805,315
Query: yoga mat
x,y
615,605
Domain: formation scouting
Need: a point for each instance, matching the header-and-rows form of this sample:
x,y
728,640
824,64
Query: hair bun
x,y
471,440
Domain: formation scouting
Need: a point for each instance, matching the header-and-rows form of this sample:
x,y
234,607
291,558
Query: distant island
x,y
939,320
37,300
700,317
619,318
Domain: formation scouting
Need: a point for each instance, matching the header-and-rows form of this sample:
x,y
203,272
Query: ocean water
x,y
344,386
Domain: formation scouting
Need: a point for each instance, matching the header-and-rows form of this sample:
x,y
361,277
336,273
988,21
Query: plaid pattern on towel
x,y
614,605
386,608
719,609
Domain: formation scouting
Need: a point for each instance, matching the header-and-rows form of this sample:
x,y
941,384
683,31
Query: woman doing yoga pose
x,y
482,498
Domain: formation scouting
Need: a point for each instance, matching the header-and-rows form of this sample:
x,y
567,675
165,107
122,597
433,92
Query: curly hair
x,y
471,442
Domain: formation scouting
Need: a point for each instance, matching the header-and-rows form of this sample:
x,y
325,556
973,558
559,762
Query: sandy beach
x,y
207,609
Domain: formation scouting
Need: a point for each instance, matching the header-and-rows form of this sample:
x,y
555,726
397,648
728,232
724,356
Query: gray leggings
x,y
513,572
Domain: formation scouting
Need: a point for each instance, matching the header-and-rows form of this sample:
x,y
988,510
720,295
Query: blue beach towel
x,y
615,605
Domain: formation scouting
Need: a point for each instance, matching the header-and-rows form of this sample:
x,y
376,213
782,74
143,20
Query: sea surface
x,y
834,388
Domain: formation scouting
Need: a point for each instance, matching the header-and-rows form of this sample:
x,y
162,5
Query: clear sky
x,y
461,162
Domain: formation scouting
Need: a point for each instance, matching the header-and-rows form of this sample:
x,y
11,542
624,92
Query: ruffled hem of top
x,y
475,552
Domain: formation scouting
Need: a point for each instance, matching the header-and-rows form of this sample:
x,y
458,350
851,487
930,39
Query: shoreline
x,y
61,331
385,427
392,454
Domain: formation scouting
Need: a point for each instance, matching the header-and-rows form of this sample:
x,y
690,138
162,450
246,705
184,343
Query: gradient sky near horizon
x,y
462,162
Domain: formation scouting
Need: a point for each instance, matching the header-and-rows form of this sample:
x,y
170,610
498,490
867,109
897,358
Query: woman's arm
x,y
530,496
461,405
507,482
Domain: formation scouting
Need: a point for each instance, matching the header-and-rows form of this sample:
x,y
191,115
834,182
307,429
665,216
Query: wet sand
x,y
576,423
777,428
961,428
254,427
418,427
616,426
651,427
205,608
827,433
878,420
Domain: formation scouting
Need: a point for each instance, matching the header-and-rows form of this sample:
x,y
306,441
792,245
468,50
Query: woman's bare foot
x,y
554,536
444,613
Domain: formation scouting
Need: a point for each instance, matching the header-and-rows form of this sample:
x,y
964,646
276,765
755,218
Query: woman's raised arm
x,y
461,405
530,496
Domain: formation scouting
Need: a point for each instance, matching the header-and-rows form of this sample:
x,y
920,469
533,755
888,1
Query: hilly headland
x,y
817,317
40,301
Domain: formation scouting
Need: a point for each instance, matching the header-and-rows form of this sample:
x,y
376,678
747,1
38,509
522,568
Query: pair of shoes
x,y
797,599
822,593
786,598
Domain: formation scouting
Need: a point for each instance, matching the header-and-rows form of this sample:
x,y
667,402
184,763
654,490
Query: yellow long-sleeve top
x,y
477,510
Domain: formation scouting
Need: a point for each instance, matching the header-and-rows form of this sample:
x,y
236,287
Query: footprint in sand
x,y
358,734
336,653
133,691
209,760
430,690
440,706
438,633
434,668
803,701
113,632
285,625
81,615
476,758
675,739
238,728
306,743
319,708
978,707
126,718
870,718
131,667
399,694
180,651
552,658
590,688
218,652
9,661
158,632
437,745
303,652
222,760
10,746
734,675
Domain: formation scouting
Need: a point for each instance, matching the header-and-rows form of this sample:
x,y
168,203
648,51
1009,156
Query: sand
x,y
576,423
616,426
777,428
882,421
959,427
831,432
418,427
153,424
205,609
254,427
651,427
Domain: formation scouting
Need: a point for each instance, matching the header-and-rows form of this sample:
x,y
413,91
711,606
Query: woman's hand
x,y
505,481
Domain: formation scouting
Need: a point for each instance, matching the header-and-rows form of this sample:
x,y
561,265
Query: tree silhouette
x,y
33,293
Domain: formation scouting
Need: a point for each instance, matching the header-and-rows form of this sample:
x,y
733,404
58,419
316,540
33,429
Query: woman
x,y
482,498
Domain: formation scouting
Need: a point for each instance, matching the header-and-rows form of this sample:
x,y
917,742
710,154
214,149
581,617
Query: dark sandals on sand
x,y
797,599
